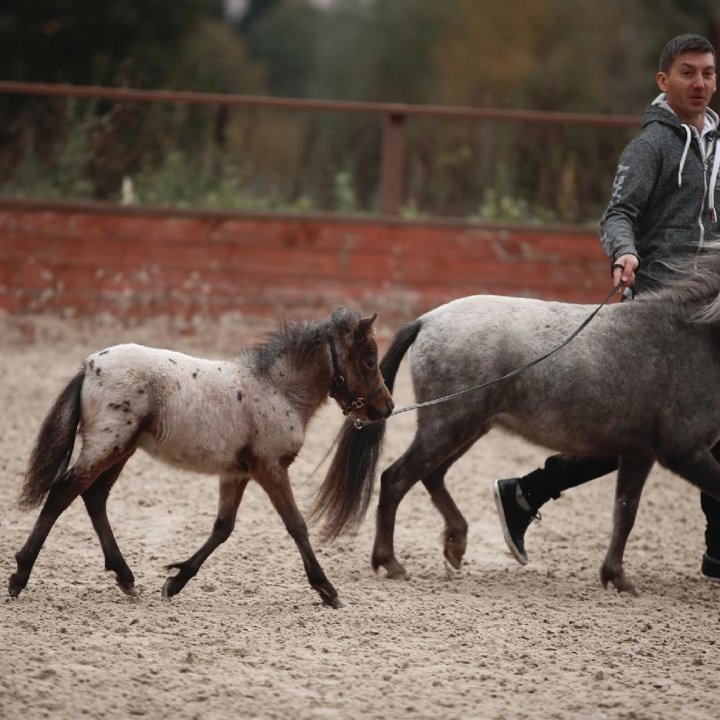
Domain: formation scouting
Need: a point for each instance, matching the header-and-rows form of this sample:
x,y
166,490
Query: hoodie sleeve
x,y
635,178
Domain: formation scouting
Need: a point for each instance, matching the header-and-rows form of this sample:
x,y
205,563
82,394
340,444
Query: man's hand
x,y
623,269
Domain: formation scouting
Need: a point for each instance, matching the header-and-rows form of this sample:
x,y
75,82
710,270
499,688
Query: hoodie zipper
x,y
703,155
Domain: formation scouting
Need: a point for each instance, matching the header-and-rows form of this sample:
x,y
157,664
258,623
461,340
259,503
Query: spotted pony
x,y
241,419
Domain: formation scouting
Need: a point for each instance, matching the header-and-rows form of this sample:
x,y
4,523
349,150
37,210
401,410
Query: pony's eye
x,y
371,362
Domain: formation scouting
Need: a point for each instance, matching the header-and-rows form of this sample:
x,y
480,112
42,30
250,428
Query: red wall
x,y
136,263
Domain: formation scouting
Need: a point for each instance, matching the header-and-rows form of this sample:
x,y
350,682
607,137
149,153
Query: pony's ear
x,y
365,324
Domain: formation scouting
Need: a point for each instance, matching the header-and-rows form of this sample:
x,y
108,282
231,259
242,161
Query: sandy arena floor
x,y
248,638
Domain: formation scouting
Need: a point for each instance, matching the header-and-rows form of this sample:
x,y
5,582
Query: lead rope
x,y
516,371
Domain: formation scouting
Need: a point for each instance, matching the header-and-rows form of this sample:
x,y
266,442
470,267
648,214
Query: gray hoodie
x,y
661,207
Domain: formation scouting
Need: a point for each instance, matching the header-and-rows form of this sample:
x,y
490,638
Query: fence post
x,y
393,161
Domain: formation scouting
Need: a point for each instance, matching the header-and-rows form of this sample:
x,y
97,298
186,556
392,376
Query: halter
x,y
338,386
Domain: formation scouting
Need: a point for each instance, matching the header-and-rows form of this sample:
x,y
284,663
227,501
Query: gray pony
x,y
641,383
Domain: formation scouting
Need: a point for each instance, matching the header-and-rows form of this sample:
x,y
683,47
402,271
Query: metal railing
x,y
393,115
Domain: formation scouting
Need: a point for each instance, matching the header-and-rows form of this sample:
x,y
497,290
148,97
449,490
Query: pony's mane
x,y
694,286
298,341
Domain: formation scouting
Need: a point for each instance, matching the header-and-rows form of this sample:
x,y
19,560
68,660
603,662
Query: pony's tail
x,y
54,444
346,491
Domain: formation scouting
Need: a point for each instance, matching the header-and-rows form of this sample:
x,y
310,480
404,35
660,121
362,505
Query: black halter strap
x,y
338,379
338,390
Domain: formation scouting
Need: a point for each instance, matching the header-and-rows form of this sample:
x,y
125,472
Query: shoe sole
x,y
522,559
710,578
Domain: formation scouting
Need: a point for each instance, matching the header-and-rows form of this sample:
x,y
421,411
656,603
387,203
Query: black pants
x,y
562,472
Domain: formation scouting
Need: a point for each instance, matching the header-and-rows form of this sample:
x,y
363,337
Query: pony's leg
x,y
420,462
95,498
61,494
276,483
231,493
395,482
456,527
632,474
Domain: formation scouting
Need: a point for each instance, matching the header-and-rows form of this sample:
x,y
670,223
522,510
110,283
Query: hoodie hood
x,y
660,111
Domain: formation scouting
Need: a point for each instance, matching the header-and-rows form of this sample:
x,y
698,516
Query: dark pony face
x,y
362,393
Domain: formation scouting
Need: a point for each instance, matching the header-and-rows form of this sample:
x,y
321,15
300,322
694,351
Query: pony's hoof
x,y
335,602
455,560
454,549
618,580
128,589
15,586
451,572
329,596
168,589
622,584
393,569
397,574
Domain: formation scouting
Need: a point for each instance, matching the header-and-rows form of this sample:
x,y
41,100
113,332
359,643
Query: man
x,y
663,206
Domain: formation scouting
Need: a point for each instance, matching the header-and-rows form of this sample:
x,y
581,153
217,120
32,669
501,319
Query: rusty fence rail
x,y
393,115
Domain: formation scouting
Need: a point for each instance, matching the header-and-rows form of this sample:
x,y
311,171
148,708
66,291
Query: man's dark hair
x,y
683,43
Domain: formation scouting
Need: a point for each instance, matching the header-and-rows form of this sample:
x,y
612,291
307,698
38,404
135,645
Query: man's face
x,y
690,84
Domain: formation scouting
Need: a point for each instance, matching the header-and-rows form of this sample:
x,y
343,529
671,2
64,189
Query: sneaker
x,y
514,519
710,568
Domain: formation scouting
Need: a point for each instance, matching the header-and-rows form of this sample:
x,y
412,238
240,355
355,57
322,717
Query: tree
x,y
138,43
89,42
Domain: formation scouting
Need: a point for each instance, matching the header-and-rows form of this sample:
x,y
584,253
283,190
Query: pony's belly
x,y
199,458
568,439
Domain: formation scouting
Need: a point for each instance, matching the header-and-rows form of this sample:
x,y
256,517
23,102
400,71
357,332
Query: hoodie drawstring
x,y
688,140
713,181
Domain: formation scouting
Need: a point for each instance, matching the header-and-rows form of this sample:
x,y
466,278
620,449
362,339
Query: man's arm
x,y
632,186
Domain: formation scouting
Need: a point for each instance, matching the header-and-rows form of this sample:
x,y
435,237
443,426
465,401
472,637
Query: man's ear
x,y
661,79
